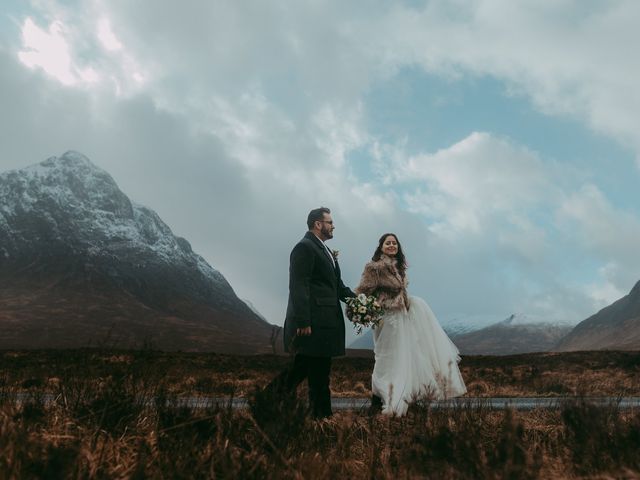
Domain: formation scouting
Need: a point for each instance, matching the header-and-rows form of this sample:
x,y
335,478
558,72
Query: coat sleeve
x,y
370,280
344,292
300,268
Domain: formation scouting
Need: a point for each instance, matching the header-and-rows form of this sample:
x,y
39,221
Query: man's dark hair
x,y
316,215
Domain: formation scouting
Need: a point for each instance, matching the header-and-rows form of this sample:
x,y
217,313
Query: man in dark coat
x,y
314,324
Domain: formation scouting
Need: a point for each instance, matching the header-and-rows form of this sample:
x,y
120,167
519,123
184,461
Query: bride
x,y
414,358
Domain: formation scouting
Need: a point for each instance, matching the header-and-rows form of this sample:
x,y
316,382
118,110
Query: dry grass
x,y
599,373
97,428
89,440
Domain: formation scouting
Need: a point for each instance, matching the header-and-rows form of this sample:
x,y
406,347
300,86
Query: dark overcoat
x,y
315,291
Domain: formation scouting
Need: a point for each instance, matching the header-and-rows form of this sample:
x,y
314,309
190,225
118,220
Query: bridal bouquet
x,y
364,311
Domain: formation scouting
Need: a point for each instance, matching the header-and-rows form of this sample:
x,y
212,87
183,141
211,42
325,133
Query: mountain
x,y
455,326
462,324
516,334
81,264
364,341
616,327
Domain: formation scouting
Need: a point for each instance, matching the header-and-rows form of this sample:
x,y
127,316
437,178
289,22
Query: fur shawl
x,y
382,279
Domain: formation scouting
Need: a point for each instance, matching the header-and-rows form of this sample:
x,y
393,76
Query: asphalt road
x,y
339,403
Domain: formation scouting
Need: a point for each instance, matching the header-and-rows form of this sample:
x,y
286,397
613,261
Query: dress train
x,y
414,358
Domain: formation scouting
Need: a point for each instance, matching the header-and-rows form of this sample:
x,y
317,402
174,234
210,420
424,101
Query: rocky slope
x,y
81,264
616,327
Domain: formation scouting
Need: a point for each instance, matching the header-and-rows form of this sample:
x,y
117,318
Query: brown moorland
x,y
596,373
96,428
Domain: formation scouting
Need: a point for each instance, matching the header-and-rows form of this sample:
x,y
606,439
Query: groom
x,y
314,325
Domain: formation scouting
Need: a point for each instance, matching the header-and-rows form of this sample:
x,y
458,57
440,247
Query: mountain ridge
x,y
518,333
66,227
615,327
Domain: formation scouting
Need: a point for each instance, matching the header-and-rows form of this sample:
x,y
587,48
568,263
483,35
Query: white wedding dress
x,y
414,358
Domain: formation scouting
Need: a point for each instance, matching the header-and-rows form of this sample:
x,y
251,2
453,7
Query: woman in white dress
x,y
414,357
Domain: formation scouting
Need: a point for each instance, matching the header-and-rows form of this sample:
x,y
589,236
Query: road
x,y
339,403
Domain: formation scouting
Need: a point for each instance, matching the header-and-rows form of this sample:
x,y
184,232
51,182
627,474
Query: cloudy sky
x,y
499,139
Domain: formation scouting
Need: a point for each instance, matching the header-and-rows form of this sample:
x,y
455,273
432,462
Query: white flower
x,y
362,298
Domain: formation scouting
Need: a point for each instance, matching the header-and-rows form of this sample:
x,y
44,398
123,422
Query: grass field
x,y
194,374
97,429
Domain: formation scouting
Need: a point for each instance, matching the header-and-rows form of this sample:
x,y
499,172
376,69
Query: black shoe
x,y
376,405
266,406
260,408
319,414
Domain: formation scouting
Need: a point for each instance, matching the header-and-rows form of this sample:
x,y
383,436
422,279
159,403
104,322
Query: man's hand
x,y
303,332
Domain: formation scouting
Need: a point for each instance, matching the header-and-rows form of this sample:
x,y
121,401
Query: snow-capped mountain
x,y
79,261
458,325
518,333
482,335
462,324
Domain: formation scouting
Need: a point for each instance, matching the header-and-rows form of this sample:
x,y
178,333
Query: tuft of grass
x,y
600,438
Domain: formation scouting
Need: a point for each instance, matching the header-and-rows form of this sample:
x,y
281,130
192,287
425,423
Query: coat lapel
x,y
322,250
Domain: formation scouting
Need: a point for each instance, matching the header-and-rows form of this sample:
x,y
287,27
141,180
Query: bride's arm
x,y
370,280
344,292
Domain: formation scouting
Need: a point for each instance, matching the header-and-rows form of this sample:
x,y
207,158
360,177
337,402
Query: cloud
x,y
243,216
604,229
608,233
107,37
233,119
502,220
608,289
78,48
48,50
569,58
465,187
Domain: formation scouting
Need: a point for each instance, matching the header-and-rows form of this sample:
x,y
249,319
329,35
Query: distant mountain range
x,y
616,327
81,264
516,334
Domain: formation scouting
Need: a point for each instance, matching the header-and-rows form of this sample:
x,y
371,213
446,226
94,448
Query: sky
x,y
499,140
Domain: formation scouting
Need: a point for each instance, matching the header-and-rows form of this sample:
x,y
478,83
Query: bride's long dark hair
x,y
402,263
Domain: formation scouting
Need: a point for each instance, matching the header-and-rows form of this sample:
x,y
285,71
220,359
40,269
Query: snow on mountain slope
x,y
66,228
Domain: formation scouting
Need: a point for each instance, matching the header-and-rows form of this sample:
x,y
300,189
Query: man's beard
x,y
326,233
